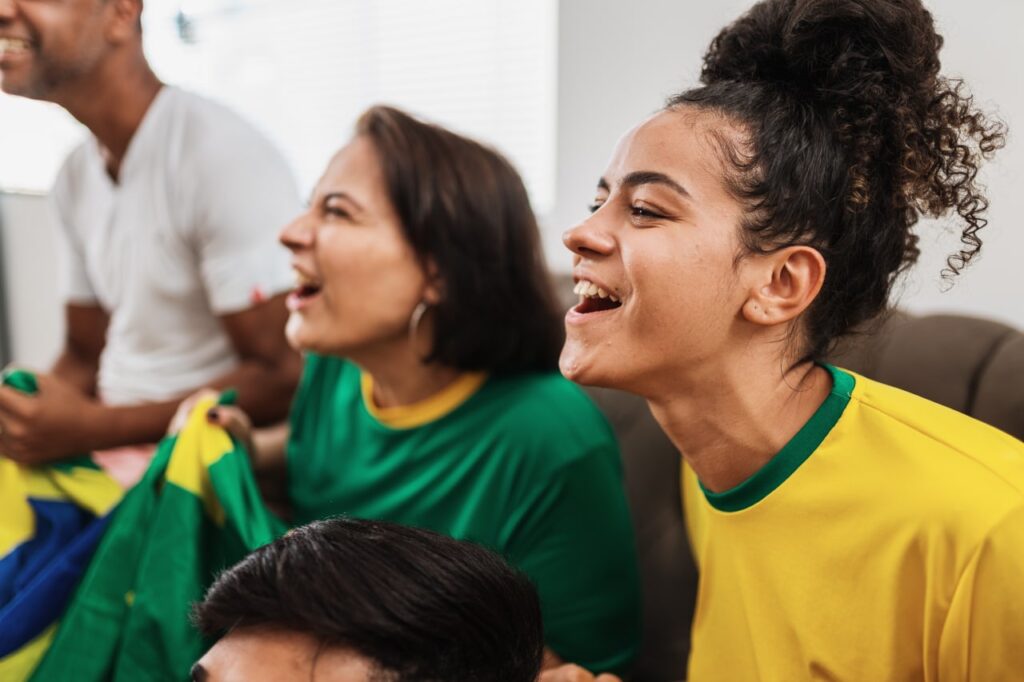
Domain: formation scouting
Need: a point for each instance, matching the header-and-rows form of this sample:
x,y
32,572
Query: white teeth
x,y
13,45
303,280
591,290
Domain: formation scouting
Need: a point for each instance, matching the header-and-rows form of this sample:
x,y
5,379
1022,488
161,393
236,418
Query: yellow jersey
x,y
885,541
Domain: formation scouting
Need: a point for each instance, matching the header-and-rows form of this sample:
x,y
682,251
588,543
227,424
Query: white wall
x,y
619,61
30,270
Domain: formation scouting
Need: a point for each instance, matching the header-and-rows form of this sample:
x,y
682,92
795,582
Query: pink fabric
x,y
126,465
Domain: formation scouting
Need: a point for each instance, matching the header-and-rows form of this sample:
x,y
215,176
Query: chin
x,y
577,367
300,337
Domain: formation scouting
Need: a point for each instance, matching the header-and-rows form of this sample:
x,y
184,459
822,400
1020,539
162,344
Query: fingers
x,y
574,673
186,407
232,419
14,402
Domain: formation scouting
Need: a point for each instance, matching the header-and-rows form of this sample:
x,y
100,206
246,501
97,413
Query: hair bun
x,y
833,50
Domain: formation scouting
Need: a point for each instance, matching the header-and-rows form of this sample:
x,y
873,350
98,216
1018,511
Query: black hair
x,y
465,211
420,605
850,135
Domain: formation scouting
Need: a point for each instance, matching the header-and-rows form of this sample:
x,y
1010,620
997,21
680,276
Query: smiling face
x,y
47,44
662,245
359,280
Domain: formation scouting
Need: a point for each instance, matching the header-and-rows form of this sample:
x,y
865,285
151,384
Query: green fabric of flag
x,y
196,511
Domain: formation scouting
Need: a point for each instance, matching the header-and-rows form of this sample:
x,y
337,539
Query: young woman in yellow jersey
x,y
844,530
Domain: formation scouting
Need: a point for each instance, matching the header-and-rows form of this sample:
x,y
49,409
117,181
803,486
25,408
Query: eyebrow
x,y
637,178
199,673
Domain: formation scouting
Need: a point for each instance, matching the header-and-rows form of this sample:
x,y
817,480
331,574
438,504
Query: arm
x,y
984,628
84,338
61,421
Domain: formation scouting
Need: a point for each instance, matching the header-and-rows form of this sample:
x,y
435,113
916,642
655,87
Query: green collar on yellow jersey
x,y
793,454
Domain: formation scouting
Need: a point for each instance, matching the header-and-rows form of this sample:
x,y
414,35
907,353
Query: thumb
x,y
234,421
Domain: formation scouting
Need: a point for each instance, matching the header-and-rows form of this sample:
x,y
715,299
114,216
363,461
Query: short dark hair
x,y
420,605
851,135
463,208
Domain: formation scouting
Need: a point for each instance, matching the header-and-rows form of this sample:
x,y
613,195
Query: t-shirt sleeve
x,y
983,637
73,281
244,195
577,545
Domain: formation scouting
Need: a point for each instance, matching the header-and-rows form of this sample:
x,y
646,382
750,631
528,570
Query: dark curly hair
x,y
849,136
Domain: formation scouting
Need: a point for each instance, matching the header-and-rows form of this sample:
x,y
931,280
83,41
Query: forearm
x,y
114,427
269,447
264,392
77,371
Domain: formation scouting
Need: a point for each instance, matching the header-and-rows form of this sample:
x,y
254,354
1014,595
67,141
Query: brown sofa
x,y
972,365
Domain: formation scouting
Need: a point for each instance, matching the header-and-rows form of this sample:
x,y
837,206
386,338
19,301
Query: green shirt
x,y
525,465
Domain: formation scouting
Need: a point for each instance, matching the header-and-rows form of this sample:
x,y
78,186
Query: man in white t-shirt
x,y
171,272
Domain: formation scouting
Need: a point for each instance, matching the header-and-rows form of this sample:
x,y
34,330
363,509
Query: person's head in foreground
x,y
765,213
420,245
349,600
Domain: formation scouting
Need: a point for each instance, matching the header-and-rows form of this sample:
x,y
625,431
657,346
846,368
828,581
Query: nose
x,y
589,239
299,233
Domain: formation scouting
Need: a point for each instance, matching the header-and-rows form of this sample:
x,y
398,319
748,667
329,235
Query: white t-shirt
x,y
188,233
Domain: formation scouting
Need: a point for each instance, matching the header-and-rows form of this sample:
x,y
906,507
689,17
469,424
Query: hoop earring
x,y
414,322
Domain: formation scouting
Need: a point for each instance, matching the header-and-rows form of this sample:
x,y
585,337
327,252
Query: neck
x,y
400,377
112,102
728,419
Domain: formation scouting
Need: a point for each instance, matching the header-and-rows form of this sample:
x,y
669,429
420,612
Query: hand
x,y
186,407
57,422
231,419
236,422
574,673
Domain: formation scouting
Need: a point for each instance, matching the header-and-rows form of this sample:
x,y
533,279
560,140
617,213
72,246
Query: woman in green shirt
x,y
431,395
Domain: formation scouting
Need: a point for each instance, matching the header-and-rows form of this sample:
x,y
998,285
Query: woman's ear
x,y
432,291
790,281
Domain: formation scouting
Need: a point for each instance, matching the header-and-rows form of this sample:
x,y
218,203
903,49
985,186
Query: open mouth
x,y
307,291
10,47
594,299
306,288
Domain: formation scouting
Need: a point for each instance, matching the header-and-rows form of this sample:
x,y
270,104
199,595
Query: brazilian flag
x,y
196,511
51,519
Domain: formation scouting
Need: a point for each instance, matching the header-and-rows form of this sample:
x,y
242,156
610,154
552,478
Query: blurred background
x,y
551,83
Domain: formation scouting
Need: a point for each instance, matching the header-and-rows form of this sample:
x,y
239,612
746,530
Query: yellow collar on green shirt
x,y
433,408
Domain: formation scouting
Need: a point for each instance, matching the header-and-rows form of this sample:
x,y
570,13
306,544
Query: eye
x,y
642,212
337,212
594,206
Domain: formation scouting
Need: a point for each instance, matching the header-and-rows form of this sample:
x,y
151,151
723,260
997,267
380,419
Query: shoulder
x,y
72,174
546,412
210,134
960,466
